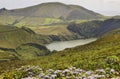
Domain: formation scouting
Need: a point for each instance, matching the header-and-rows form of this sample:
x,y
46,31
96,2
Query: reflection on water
x,y
61,45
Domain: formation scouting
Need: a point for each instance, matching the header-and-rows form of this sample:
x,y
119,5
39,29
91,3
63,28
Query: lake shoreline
x,y
61,45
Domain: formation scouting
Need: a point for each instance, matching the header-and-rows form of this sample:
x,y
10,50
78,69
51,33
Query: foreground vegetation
x,y
34,72
101,54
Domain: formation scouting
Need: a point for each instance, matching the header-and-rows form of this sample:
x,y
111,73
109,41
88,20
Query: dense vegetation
x,y
35,72
100,54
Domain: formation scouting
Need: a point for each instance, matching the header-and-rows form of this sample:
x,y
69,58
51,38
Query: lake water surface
x,y
61,45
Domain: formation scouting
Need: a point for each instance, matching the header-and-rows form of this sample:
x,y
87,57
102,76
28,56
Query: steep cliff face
x,y
94,28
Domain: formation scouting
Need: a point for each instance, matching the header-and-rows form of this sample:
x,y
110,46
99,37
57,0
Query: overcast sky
x,y
106,7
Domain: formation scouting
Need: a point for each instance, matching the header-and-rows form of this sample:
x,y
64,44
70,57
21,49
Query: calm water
x,y
68,44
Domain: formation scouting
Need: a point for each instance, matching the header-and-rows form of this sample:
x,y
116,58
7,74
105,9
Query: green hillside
x,y
50,20
77,29
21,43
11,37
15,41
46,13
89,57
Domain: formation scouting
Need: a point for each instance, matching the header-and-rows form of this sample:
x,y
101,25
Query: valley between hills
x,y
25,32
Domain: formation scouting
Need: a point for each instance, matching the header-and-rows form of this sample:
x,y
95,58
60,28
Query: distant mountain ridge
x,y
54,10
39,12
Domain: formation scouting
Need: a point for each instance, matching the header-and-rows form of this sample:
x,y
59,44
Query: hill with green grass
x,y
51,19
21,43
46,13
103,53
77,29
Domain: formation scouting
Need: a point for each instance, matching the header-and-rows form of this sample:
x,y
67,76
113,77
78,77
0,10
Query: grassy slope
x,y
46,13
52,30
11,37
84,56
81,29
21,43
20,21
57,31
90,56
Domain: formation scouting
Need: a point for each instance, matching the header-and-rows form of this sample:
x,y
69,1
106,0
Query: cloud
x,y
112,1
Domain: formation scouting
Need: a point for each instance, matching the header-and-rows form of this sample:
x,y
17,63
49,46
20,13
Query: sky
x,y
106,7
